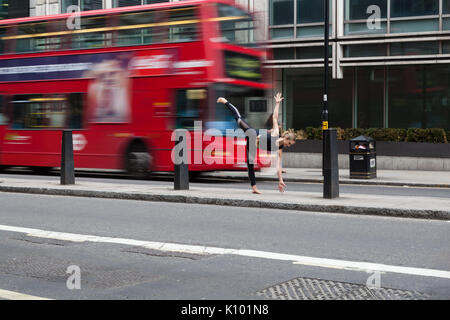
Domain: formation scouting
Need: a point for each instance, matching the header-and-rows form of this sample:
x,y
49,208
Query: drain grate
x,y
52,269
317,289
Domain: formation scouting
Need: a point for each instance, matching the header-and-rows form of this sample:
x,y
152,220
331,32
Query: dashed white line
x,y
196,249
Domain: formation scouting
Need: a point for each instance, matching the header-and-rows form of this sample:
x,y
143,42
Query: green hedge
x,y
434,135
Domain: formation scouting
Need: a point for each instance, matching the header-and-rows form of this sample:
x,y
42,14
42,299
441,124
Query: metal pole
x,y
330,168
325,79
181,166
326,65
67,163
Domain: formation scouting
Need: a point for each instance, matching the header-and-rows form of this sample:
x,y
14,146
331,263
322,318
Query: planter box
x,y
390,155
392,149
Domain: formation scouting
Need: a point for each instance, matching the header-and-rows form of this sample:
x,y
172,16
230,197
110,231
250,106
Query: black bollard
x,y
181,166
67,163
330,165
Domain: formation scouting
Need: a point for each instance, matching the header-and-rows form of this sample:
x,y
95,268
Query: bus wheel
x,y
138,164
195,174
42,170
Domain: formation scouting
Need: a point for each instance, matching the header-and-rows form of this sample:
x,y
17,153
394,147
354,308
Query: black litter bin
x,y
363,158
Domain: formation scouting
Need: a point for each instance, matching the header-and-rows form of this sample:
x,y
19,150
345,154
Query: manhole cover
x,y
317,289
55,270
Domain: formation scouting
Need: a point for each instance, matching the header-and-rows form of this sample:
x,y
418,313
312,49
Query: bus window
x,y
2,42
182,25
236,25
92,34
28,39
58,41
39,111
75,120
189,105
135,29
3,117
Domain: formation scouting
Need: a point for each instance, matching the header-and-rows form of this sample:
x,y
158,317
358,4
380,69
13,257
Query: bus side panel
x,y
31,148
153,120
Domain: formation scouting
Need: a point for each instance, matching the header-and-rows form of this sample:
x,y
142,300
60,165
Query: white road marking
x,y
196,249
11,295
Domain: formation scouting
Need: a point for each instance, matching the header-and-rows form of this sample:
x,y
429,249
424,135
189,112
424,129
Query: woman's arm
x,y
275,117
281,185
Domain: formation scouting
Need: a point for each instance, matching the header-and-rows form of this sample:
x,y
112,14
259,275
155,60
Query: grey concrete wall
x,y
314,160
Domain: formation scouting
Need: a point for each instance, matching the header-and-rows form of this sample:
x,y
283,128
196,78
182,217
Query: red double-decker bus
x,y
123,80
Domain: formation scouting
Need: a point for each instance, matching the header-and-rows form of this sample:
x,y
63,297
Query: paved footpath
x,y
399,206
412,178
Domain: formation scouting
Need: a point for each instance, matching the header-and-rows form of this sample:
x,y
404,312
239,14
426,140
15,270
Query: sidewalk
x,y
439,179
362,204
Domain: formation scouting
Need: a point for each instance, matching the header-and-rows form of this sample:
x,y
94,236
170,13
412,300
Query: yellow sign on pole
x,y
325,125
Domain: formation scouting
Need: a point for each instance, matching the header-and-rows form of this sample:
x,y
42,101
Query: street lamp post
x,y
330,169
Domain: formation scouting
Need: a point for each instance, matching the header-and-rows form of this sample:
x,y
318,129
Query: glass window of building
x,y
84,5
414,48
408,8
315,52
283,53
418,8
10,9
445,6
297,18
310,18
4,9
304,105
369,101
281,12
446,47
363,9
412,26
365,17
127,3
419,96
301,53
365,50
310,11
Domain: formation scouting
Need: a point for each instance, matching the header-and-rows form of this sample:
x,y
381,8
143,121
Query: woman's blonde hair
x,y
290,135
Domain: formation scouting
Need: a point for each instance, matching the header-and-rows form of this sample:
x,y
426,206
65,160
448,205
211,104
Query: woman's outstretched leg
x,y
250,158
237,115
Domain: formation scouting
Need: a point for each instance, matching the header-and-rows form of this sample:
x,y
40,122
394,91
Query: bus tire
x,y
42,170
195,174
137,162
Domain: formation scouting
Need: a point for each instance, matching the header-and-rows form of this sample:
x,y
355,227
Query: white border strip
x,y
196,249
11,295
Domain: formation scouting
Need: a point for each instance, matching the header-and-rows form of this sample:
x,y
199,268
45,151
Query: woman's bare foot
x,y
255,190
